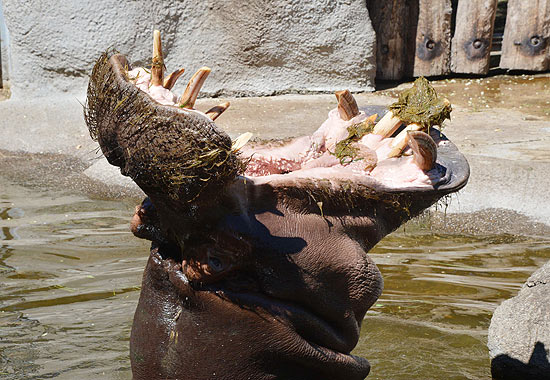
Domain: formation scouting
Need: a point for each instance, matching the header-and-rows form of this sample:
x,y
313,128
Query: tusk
x,y
171,79
372,118
347,106
214,112
189,97
157,69
241,141
424,149
400,141
387,125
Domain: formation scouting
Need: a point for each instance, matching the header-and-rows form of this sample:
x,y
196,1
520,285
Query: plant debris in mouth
x,y
421,105
345,150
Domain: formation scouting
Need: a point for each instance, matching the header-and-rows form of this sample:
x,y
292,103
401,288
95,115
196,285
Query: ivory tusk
x,y
214,112
400,141
372,118
424,149
189,97
387,125
347,106
241,141
171,79
157,68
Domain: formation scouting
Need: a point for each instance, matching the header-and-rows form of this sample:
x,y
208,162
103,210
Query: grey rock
x,y
254,48
519,335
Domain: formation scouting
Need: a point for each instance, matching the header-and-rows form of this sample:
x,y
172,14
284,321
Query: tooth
x,y
189,97
387,125
157,69
171,79
347,106
216,111
424,149
372,118
399,143
241,141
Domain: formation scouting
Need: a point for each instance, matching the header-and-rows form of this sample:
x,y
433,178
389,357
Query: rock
x,y
254,48
519,335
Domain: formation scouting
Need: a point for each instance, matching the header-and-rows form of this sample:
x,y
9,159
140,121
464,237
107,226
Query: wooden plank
x,y
526,35
471,44
394,58
433,38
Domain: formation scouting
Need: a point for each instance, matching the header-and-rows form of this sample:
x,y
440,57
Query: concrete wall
x,y
4,42
254,47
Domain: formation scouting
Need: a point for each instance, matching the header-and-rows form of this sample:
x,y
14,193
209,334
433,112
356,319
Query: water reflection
x,y
70,274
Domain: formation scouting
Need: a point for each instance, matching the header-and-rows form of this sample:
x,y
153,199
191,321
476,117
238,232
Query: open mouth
x,y
316,157
394,153
186,153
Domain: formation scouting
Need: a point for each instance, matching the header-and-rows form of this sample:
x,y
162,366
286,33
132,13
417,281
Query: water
x,y
70,273
69,277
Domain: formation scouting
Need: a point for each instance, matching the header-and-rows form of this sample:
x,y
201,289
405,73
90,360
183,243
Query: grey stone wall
x,y
254,47
4,47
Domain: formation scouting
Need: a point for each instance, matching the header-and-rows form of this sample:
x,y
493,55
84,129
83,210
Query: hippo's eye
x,y
215,263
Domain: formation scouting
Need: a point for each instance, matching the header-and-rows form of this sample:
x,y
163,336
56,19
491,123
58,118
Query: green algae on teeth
x,y
418,105
420,108
421,105
346,150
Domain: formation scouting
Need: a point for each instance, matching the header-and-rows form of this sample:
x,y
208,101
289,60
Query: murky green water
x,y
70,274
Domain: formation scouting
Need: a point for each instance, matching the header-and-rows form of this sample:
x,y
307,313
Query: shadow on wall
x,y
503,367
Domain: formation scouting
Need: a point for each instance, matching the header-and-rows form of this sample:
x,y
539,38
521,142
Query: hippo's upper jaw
x,y
258,268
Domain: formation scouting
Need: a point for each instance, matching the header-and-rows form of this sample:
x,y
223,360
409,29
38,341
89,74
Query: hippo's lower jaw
x,y
259,273
186,331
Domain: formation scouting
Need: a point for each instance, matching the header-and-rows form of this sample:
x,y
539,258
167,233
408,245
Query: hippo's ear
x,y
212,259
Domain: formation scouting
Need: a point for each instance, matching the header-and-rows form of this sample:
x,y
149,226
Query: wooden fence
x,y
440,37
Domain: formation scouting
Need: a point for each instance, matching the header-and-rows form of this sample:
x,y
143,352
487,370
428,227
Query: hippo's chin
x,y
282,337
311,325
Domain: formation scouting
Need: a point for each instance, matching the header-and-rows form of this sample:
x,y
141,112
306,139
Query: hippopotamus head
x,y
258,267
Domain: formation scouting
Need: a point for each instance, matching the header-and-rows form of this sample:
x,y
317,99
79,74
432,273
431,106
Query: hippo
x,y
258,267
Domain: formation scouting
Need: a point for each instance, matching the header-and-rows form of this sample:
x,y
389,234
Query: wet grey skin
x,y
246,279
